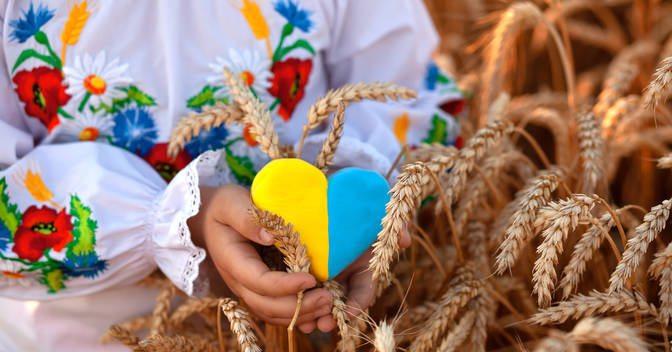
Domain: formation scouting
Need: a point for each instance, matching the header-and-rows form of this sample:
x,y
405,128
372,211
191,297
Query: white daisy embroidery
x,y
252,67
88,126
10,274
94,81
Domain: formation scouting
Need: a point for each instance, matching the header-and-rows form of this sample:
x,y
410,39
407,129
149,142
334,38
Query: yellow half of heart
x,y
297,191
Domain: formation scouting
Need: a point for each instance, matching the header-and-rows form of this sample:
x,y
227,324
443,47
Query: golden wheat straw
x,y
347,94
426,152
661,269
161,310
594,35
484,308
644,234
326,154
521,226
583,252
552,120
580,306
348,342
190,307
624,106
191,125
609,334
256,114
590,142
462,289
563,216
123,336
557,341
659,89
239,321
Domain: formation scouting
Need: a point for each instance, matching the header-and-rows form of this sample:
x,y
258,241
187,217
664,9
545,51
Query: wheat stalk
x,y
176,343
459,334
590,141
161,309
644,234
609,334
563,216
122,335
191,125
551,119
256,114
520,229
659,88
580,306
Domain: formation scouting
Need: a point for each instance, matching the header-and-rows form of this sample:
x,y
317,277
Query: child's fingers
x,y
308,327
326,323
405,238
360,293
236,215
315,304
233,253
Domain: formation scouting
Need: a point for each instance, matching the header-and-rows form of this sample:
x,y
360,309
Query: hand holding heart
x,y
224,228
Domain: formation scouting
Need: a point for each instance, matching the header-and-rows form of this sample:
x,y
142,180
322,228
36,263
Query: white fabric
x,y
170,53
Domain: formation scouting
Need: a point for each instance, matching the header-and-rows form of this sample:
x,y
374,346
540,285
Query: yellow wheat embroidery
x,y
255,19
79,15
32,181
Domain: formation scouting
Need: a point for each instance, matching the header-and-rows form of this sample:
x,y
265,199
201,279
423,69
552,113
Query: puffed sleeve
x,y
387,41
82,217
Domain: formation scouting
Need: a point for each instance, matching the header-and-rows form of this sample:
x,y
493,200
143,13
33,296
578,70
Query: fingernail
x,y
266,237
324,310
322,301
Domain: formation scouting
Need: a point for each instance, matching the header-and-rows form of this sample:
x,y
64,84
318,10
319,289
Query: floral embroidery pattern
x,y
42,230
166,166
42,92
93,81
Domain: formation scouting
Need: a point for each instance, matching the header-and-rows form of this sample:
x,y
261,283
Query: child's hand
x,y
357,285
224,228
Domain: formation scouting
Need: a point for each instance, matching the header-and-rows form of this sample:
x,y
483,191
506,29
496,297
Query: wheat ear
x,y
383,337
458,335
326,154
661,269
520,229
347,94
462,289
122,335
347,342
609,334
592,153
580,306
644,234
176,343
288,241
191,125
583,252
563,217
665,162
161,309
557,341
256,114
239,321
659,88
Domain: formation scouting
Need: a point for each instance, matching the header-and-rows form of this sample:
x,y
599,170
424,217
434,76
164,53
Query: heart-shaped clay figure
x,y
337,219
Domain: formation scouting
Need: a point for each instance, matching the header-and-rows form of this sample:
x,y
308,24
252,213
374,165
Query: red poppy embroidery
x,y
288,83
166,166
40,229
42,91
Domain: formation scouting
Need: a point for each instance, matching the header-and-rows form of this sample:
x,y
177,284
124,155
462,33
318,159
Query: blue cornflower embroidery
x,y
211,139
5,236
31,22
134,130
432,76
87,265
295,15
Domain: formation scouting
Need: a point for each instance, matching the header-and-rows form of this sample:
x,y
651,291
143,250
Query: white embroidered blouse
x,y
90,90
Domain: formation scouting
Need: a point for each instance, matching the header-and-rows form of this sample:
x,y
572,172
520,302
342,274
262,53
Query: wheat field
x,y
548,233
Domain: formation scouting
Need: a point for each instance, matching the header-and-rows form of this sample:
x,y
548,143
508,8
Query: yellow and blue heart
x,y
337,219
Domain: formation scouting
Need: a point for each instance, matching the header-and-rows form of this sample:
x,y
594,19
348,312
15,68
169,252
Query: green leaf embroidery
x,y
438,133
84,228
241,167
205,97
301,43
140,97
53,279
9,214
28,53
